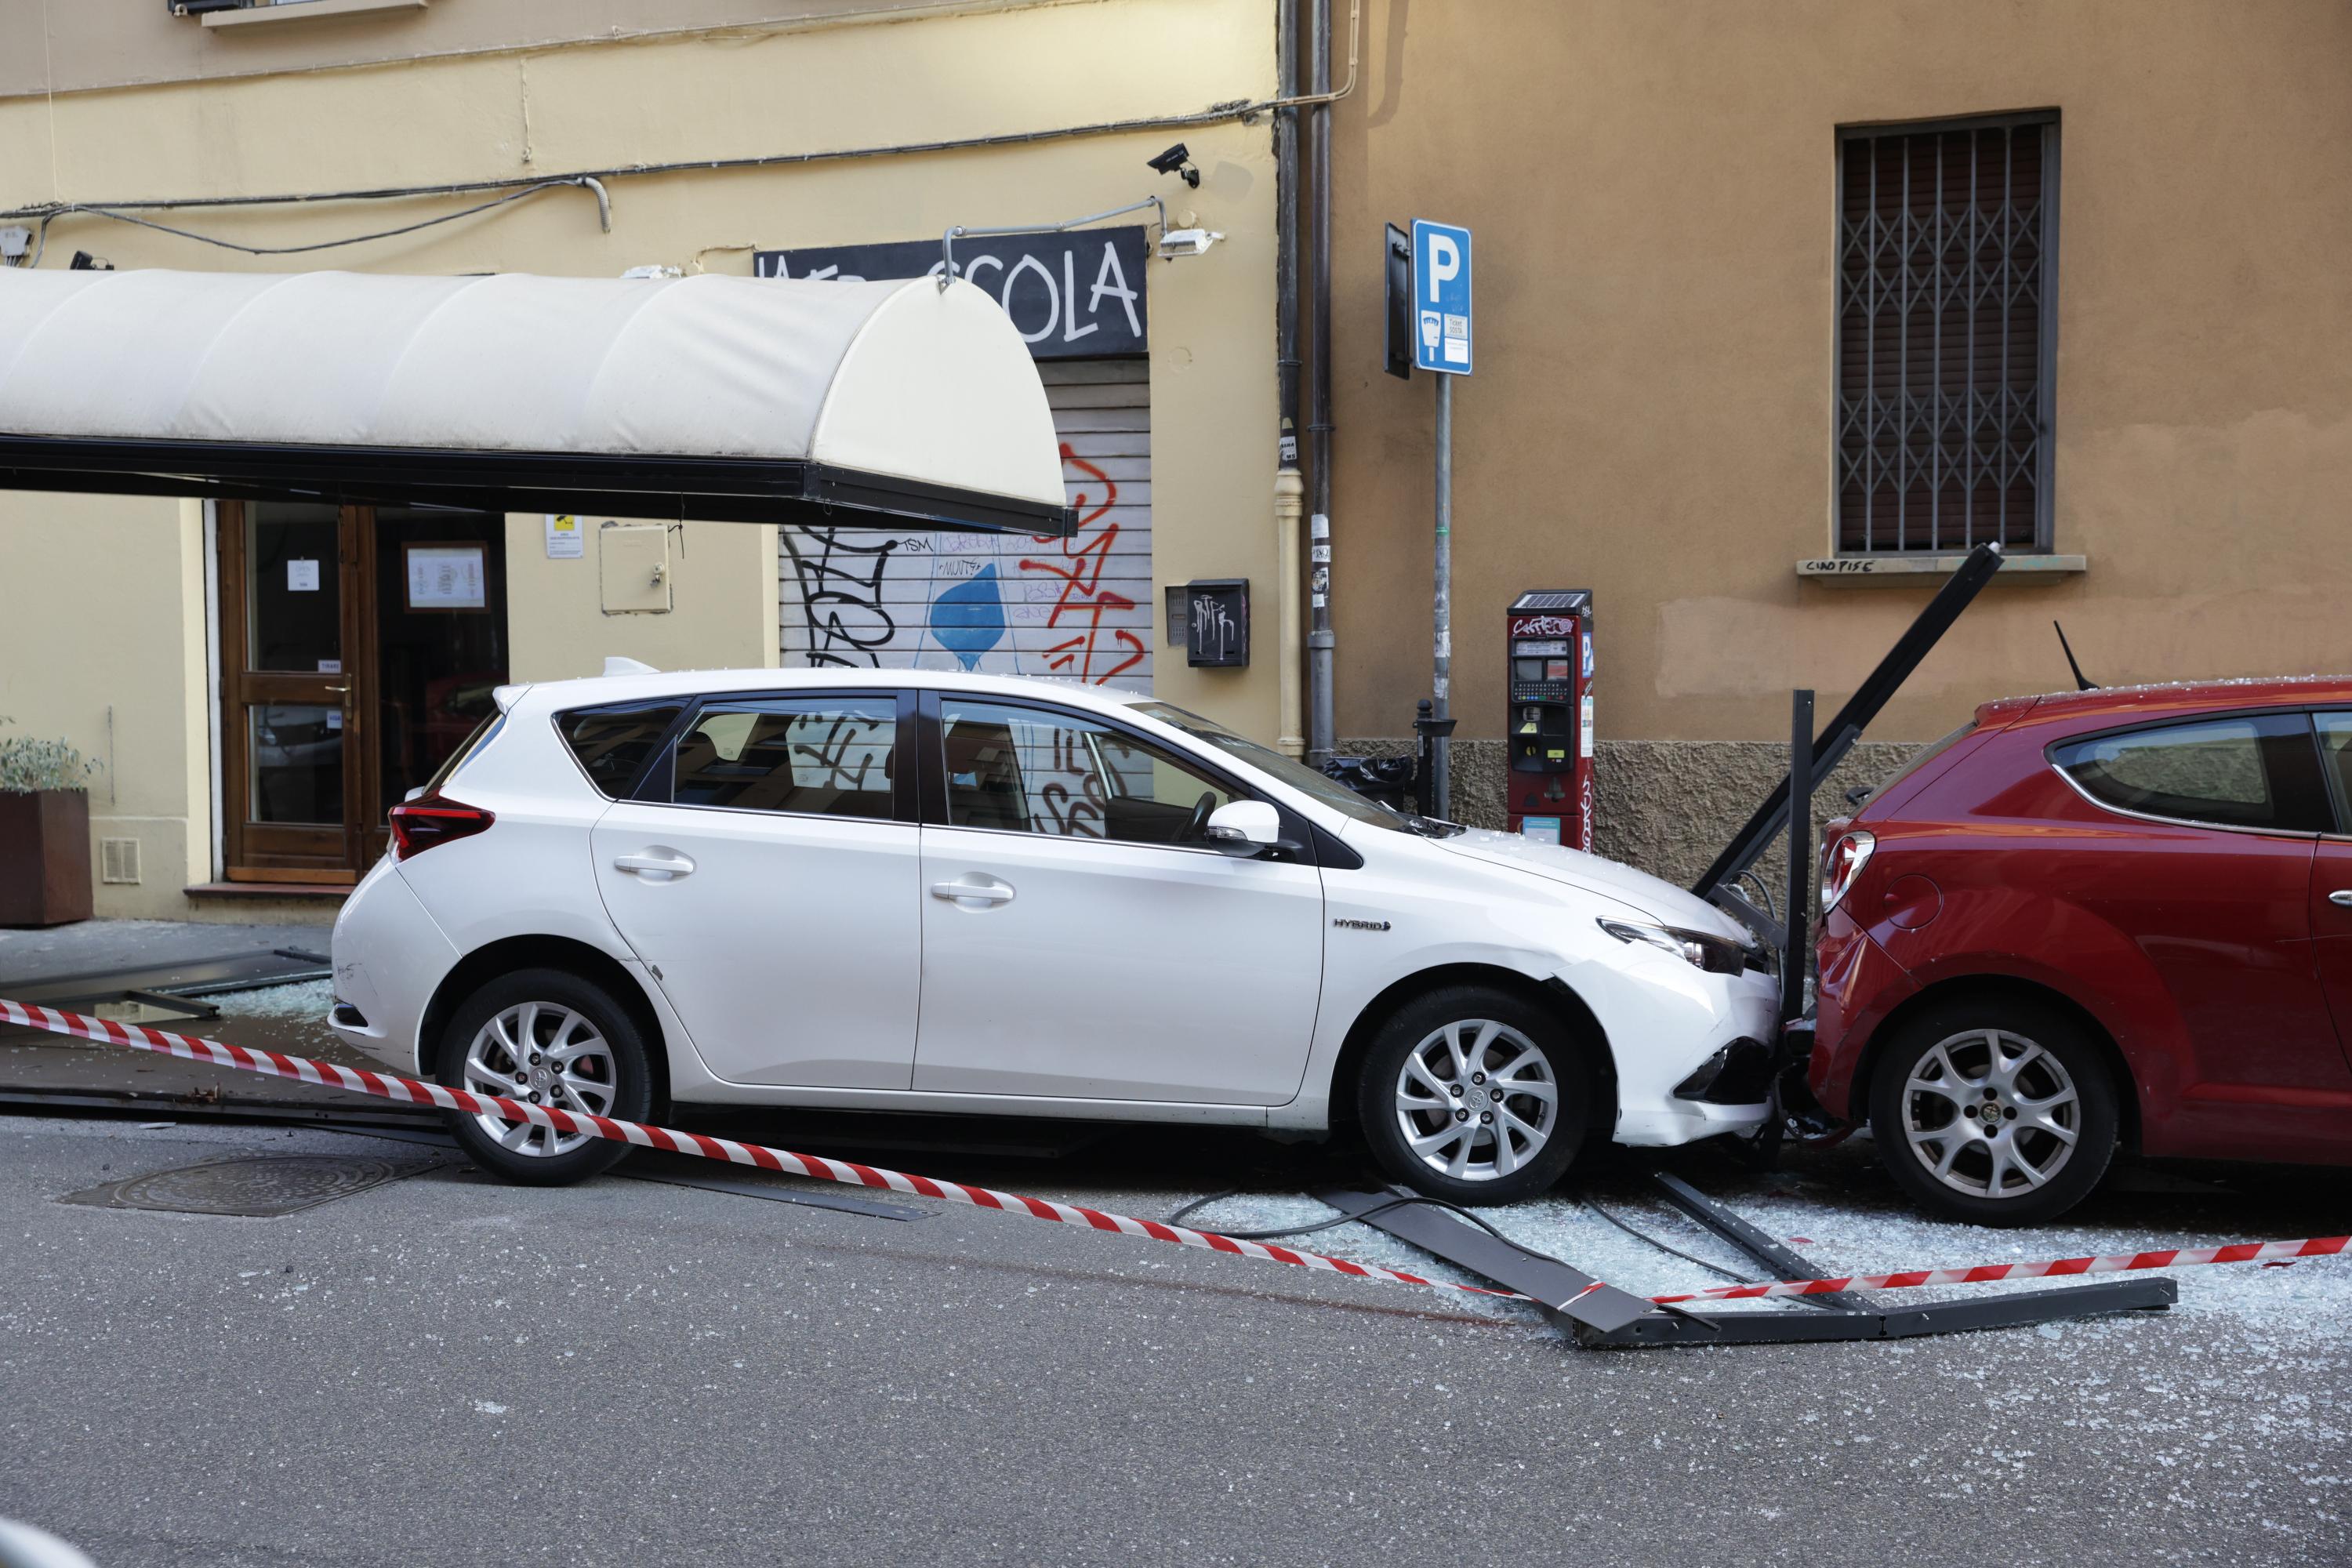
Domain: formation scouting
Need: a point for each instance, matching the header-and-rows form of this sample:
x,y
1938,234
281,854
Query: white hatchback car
x,y
919,891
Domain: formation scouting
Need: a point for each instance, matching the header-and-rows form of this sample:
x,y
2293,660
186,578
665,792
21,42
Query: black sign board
x,y
1396,336
1074,295
1216,623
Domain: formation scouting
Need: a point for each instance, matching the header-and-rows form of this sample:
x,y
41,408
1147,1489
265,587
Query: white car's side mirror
x,y
1243,826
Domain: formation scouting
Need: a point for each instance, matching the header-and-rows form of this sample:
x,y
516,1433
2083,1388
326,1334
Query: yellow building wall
x,y
1653,191
986,72
722,614
102,638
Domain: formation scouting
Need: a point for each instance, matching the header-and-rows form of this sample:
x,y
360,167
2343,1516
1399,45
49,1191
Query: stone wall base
x,y
1665,806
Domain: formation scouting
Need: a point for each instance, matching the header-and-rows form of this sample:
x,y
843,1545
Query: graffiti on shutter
x,y
995,603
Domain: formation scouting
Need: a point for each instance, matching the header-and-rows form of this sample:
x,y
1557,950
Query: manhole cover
x,y
260,1187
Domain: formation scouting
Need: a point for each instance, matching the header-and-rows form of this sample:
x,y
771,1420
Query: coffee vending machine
x,y
1548,739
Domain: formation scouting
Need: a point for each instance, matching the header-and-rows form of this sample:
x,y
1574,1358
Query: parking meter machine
x,y
1547,738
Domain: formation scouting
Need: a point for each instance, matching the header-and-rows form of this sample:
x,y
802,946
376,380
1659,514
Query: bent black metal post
x,y
1838,737
1801,857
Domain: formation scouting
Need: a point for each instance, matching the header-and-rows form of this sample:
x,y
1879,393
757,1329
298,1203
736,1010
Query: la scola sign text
x,y
1072,295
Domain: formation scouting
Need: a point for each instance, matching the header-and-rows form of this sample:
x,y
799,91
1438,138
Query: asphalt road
x,y
443,1371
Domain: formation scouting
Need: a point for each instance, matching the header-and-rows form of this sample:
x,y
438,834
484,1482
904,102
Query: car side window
x,y
1036,770
614,743
2257,771
824,756
2336,751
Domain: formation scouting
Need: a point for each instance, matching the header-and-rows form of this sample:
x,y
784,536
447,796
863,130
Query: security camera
x,y
1177,161
1179,242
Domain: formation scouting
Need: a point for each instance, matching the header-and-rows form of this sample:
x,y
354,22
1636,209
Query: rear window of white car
x,y
465,753
614,743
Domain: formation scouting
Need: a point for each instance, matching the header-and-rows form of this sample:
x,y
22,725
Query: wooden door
x,y
296,603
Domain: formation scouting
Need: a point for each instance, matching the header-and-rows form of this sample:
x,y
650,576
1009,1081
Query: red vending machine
x,y
1549,738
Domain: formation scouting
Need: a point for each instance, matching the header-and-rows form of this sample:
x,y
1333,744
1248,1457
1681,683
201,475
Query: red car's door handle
x,y
2342,895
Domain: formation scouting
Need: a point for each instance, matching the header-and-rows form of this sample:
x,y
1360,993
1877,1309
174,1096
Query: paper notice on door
x,y
564,540
446,577
331,666
302,576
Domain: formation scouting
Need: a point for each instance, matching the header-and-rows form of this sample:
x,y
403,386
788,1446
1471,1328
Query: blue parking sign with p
x,y
1441,297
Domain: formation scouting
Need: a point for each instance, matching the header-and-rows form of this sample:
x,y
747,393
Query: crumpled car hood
x,y
1660,899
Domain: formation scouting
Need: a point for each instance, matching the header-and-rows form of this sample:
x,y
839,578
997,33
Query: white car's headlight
x,y
1701,950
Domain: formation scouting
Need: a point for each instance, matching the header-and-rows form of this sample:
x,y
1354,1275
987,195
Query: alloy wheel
x,y
542,1053
1476,1100
1991,1113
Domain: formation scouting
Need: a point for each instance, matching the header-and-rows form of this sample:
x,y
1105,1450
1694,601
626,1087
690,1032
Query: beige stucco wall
x,y
962,72
1651,189
102,645
71,45
722,612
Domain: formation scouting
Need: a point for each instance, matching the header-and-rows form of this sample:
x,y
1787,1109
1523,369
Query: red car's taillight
x,y
1843,864
418,825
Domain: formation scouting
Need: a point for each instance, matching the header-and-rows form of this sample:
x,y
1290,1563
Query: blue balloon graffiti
x,y
969,619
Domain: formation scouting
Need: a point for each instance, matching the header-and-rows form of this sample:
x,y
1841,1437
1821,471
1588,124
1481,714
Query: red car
x,y
2103,919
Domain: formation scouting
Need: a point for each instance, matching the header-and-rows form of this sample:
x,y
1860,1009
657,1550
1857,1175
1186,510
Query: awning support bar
x,y
959,231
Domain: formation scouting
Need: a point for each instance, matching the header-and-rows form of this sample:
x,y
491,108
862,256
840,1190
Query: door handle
x,y
990,891
2341,897
654,864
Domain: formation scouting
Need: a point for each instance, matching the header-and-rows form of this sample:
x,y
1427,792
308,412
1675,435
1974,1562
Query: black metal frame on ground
x,y
173,987
1608,1317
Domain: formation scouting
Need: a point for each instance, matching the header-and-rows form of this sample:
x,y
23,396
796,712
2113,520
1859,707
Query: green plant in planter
x,y
28,766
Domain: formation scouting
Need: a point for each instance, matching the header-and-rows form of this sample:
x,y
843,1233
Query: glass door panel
x,y
296,752
286,624
293,587
440,638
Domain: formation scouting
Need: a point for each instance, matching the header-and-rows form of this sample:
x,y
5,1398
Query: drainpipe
x,y
1320,640
1289,488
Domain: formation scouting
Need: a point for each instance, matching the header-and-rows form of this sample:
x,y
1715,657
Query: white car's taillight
x,y
1843,863
418,825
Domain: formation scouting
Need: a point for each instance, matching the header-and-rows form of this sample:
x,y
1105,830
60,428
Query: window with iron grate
x,y
1946,236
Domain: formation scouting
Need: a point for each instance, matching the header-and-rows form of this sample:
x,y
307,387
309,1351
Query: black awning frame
x,y
714,489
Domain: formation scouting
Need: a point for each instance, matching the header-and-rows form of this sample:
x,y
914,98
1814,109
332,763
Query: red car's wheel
x,y
1994,1111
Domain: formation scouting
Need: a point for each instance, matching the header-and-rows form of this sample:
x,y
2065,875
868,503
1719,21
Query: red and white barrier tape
x,y
1985,1273
389,1086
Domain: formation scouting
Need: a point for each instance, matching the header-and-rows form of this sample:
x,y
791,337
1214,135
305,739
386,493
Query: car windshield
x,y
1290,770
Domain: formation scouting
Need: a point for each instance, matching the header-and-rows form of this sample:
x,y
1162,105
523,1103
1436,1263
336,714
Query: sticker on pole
x,y
1441,297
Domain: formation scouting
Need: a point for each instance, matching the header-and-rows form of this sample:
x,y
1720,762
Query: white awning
x,y
894,404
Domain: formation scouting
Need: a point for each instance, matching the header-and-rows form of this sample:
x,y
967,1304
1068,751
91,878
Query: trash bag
x,y
1389,780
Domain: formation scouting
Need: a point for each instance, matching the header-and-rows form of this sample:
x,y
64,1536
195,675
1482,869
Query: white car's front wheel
x,y
1472,1096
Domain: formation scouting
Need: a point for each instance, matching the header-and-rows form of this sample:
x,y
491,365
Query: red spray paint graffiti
x,y
1080,563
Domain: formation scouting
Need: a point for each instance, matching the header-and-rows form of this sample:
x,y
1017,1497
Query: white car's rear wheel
x,y
544,1037
1473,1096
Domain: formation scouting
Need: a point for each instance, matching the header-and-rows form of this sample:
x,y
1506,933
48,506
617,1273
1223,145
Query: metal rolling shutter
x,y
1079,607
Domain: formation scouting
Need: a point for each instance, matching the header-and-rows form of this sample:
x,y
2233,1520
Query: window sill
x,y
302,10
1915,571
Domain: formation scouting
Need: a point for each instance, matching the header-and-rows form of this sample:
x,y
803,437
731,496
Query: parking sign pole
x,y
1441,342
1440,746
